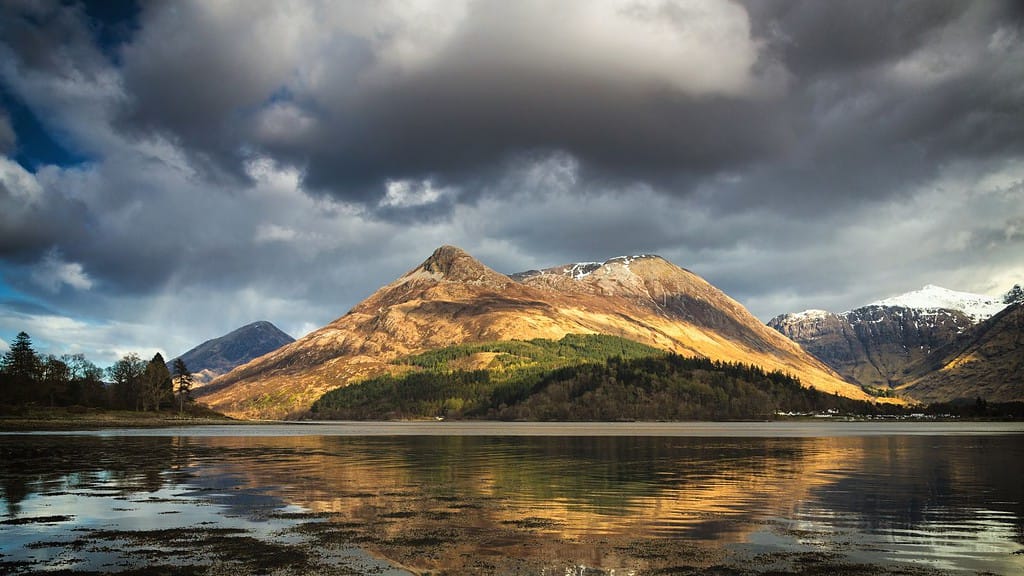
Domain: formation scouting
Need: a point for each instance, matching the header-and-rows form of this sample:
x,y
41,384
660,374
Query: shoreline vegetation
x,y
36,419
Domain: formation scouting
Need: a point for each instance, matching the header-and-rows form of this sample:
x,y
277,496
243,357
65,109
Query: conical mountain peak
x,y
453,264
448,259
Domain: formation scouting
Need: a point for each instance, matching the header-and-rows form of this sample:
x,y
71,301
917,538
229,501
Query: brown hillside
x,y
452,298
988,363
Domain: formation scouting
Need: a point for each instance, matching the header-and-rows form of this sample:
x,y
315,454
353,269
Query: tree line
x,y
28,378
582,377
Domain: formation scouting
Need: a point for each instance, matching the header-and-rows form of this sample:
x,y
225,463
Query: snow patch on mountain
x,y
977,306
581,270
626,260
809,314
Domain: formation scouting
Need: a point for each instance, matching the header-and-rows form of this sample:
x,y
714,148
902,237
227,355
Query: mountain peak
x,y
1014,296
220,355
445,258
453,264
932,297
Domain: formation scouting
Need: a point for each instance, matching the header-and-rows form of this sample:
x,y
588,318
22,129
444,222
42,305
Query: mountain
x,y
221,355
875,345
935,298
451,298
987,363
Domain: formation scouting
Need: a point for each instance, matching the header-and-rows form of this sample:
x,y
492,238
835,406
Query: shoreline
x,y
150,424
59,420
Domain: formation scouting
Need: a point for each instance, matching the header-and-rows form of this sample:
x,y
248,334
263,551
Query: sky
x,y
170,171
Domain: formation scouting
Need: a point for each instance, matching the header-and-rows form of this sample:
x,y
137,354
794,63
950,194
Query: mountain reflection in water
x,y
480,503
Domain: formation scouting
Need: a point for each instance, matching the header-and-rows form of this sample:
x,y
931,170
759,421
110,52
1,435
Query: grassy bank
x,y
27,419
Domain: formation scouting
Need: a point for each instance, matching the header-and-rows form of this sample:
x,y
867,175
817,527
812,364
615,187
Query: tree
x,y
126,374
155,384
183,377
55,376
20,370
86,386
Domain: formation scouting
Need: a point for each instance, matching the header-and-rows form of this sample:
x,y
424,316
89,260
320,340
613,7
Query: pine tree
x,y
20,370
183,377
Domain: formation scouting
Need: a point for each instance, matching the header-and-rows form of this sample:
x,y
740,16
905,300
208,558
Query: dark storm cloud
x,y
8,139
40,33
30,220
481,98
818,95
194,79
465,129
903,91
840,37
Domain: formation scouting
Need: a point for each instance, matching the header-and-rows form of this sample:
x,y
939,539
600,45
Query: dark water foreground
x,y
500,499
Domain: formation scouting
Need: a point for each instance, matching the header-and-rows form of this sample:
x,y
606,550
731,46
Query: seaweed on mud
x,y
674,552
438,515
533,523
698,571
328,533
37,520
423,540
157,570
828,564
399,514
225,544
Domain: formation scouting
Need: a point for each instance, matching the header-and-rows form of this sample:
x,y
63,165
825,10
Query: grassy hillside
x,y
580,377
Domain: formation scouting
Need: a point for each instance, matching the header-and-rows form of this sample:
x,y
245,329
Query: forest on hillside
x,y
578,378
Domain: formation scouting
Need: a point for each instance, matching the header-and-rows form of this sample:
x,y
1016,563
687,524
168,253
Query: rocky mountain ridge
x,y
876,345
452,298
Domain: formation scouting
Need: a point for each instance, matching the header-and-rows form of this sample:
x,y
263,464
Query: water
x,y
525,499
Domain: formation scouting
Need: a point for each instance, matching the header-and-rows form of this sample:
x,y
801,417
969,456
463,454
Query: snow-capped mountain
x,y
873,345
978,307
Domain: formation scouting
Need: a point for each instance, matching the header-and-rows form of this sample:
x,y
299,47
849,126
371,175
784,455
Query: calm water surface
x,y
524,499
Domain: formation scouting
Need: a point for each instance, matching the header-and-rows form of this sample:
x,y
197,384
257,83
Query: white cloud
x,y
102,343
616,42
53,272
283,123
411,193
19,183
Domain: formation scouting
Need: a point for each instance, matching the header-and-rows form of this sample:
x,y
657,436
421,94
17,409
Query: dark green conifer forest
x,y
28,378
